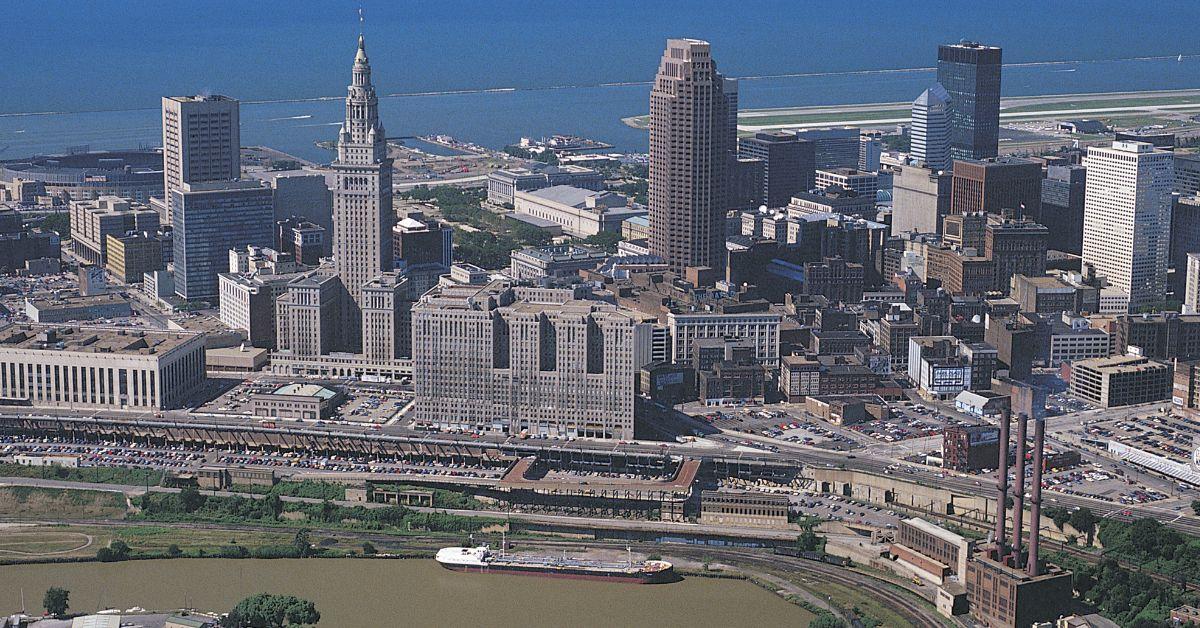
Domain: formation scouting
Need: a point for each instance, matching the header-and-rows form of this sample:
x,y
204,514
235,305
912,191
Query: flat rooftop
x,y
305,390
90,339
78,301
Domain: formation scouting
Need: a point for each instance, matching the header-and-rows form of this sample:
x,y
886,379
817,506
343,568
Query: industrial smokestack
x,y
1035,511
1019,489
1002,494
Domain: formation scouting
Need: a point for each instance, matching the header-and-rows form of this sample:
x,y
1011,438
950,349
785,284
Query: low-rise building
x,y
83,308
943,366
503,185
1121,381
83,367
932,550
307,402
743,508
970,448
579,211
554,261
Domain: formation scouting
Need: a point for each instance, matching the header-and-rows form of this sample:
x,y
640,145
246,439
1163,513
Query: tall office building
x,y
970,72
1062,206
930,129
788,164
1191,294
836,147
1000,185
870,149
201,142
1127,218
209,220
362,197
693,139
516,359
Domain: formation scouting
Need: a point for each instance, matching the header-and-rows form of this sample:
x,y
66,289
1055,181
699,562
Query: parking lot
x,y
790,425
362,403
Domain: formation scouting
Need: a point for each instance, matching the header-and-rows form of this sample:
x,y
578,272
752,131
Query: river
x,y
359,592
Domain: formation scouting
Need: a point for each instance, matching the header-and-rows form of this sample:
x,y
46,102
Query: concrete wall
x,y
898,493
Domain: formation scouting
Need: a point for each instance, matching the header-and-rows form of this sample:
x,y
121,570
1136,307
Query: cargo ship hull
x,y
483,560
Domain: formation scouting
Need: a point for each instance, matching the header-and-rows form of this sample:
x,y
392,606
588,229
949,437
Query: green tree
x,y
191,499
826,620
274,503
606,240
810,541
302,542
1085,521
55,601
368,549
59,223
173,551
116,551
264,610
1196,507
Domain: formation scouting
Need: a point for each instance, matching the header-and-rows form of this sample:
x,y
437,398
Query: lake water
x,y
492,72
351,592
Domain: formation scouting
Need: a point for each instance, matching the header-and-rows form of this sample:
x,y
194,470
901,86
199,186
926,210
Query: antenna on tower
x,y
360,20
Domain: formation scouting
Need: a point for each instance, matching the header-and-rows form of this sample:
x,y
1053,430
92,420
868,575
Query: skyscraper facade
x,y
1127,218
210,219
788,164
362,197
201,141
931,128
693,140
970,72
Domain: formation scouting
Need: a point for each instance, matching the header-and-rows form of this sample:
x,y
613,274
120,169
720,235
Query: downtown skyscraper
x,y
202,142
693,143
970,72
362,198
1127,218
931,128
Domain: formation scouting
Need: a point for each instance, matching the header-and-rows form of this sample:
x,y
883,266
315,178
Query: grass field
x,y
28,502
1098,104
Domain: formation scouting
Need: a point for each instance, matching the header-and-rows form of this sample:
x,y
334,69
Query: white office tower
x,y
1127,218
1191,293
930,132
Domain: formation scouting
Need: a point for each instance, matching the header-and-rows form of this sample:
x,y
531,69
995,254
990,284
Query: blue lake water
x,y
492,72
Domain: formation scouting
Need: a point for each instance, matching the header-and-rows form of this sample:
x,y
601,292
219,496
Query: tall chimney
x,y
1002,493
1035,511
1019,489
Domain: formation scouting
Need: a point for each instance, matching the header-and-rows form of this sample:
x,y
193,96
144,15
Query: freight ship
x,y
482,559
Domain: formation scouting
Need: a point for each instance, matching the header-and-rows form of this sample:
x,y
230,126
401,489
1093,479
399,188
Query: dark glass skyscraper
x,y
970,72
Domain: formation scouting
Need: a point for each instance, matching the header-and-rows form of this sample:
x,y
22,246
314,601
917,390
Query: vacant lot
x,y
28,502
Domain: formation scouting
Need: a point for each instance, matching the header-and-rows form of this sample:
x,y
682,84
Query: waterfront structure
x,y
1062,206
135,175
514,359
579,211
970,72
503,185
743,508
693,139
362,198
788,164
834,147
1127,218
554,261
929,133
92,221
132,256
201,142
97,368
1000,185
423,248
1122,380
209,219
